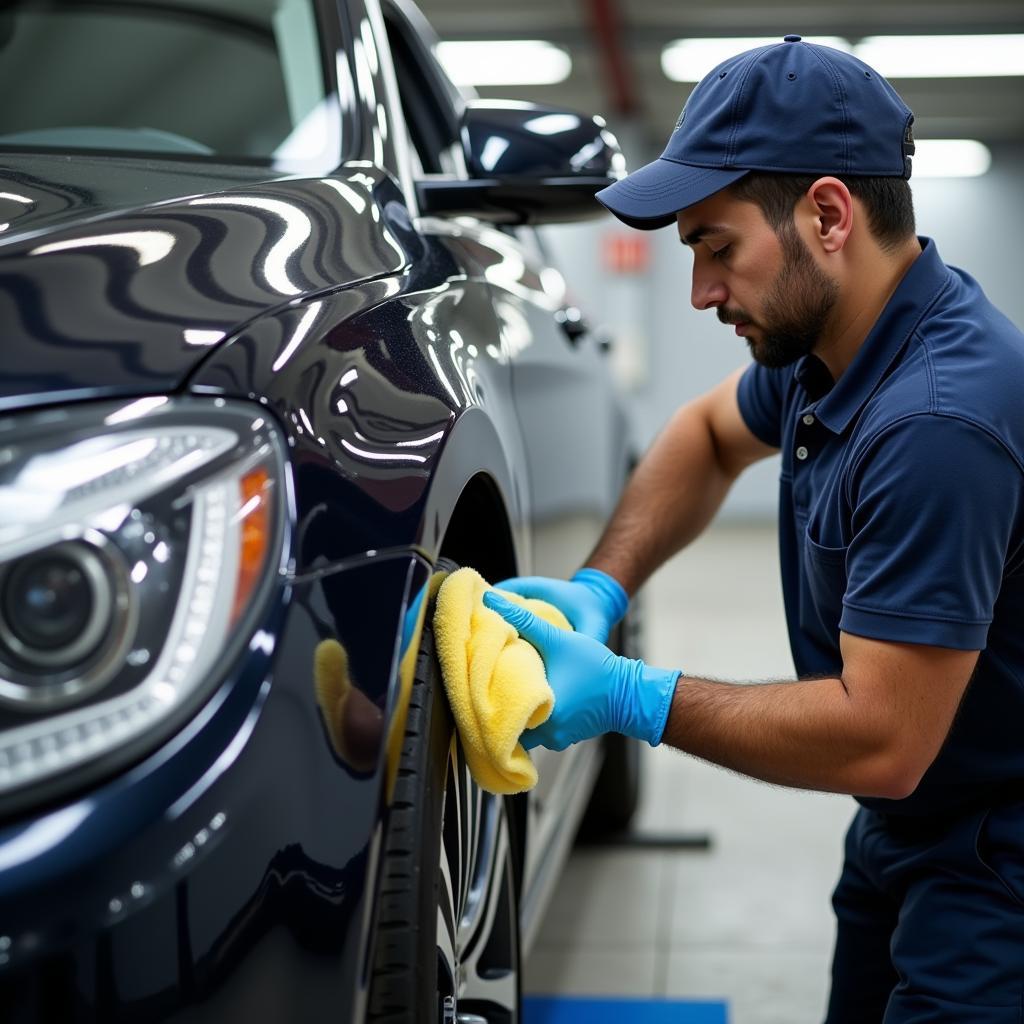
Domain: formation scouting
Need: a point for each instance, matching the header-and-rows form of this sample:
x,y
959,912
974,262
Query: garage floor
x,y
749,922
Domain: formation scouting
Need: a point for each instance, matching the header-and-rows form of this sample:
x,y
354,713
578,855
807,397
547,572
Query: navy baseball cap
x,y
792,107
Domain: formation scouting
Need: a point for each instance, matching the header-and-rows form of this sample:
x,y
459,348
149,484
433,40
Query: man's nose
x,y
707,291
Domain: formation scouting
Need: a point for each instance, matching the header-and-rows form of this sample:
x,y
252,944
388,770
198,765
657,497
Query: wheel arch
x,y
479,534
476,503
479,531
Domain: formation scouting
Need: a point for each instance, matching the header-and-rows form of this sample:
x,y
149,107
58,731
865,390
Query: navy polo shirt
x,y
901,510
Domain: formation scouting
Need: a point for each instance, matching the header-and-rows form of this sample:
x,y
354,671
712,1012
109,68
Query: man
x,y
894,390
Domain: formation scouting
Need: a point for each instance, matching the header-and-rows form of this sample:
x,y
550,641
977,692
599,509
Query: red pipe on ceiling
x,y
607,30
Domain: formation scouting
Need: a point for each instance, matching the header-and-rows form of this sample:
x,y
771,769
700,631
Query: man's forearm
x,y
809,734
672,495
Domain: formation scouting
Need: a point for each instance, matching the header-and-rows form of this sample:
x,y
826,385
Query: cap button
x,y
791,39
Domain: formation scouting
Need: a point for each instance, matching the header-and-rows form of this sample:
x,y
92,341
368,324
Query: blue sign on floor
x,y
592,1010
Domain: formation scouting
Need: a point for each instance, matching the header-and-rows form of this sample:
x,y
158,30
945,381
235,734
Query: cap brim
x,y
651,196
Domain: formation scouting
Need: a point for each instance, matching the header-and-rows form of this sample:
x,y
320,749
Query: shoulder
x,y
937,457
964,363
976,360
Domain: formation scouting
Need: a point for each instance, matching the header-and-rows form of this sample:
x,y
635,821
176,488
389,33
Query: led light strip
x,y
40,487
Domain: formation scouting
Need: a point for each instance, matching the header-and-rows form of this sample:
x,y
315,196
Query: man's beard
x,y
796,308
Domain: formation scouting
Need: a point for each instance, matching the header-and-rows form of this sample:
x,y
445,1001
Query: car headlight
x,y
137,544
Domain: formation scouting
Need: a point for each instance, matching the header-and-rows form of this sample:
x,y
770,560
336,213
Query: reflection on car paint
x,y
297,230
353,723
375,386
157,285
149,246
10,213
508,145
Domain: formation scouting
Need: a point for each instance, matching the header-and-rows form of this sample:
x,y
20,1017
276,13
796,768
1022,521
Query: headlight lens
x,y
59,605
56,604
136,545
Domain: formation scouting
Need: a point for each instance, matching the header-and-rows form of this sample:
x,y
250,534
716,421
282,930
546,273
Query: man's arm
x,y
877,726
873,731
678,486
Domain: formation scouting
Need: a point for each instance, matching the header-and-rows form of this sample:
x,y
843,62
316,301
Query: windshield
x,y
216,79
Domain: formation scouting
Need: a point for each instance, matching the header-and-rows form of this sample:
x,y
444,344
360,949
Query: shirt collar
x,y
910,301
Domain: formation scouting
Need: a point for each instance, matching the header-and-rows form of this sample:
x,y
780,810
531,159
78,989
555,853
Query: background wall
x,y
667,352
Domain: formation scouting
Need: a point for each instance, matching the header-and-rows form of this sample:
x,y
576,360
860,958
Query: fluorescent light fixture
x,y
948,56
950,158
504,62
981,56
689,60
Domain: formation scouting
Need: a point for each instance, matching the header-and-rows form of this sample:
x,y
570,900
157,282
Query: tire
x,y
447,940
616,795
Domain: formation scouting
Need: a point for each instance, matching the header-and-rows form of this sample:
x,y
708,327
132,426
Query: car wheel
x,y
616,794
447,948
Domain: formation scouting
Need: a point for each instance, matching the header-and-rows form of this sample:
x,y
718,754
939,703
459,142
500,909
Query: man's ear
x,y
831,208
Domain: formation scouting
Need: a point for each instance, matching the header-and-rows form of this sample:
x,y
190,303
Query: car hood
x,y
118,276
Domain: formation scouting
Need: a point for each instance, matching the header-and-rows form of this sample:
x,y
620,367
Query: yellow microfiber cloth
x,y
495,681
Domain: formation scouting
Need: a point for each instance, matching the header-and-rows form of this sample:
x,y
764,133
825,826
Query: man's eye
x,y
721,254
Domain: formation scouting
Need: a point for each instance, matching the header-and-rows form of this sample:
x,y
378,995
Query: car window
x,y
235,79
428,113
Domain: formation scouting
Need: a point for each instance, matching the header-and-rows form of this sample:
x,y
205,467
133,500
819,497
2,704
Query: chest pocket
x,y
823,586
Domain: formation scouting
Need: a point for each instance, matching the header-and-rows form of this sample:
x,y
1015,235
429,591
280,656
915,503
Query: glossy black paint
x,y
230,875
508,140
102,302
372,387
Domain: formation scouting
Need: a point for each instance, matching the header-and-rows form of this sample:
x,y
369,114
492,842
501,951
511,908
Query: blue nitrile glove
x,y
596,691
592,600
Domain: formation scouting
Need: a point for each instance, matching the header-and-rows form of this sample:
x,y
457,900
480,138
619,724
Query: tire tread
x,y
395,961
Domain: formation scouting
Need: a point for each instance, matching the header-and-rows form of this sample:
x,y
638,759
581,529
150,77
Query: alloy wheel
x,y
477,920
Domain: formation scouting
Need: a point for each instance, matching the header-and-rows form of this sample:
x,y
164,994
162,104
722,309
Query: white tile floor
x,y
748,922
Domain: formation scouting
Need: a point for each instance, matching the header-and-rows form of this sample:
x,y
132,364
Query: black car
x,y
278,342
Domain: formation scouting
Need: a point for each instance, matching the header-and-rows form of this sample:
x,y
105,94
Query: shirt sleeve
x,y
936,505
761,396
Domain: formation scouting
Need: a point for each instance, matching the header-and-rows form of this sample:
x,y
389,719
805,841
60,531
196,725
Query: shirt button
x,y
808,419
802,453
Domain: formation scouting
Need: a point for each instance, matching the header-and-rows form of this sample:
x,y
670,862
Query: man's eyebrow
x,y
698,233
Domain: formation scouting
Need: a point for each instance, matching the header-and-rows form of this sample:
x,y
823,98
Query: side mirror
x,y
528,164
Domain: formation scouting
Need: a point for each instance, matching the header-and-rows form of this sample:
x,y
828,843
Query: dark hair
x,y
888,202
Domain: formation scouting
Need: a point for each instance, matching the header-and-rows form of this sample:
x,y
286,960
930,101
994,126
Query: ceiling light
x,y
948,56
505,62
689,60
950,158
944,56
